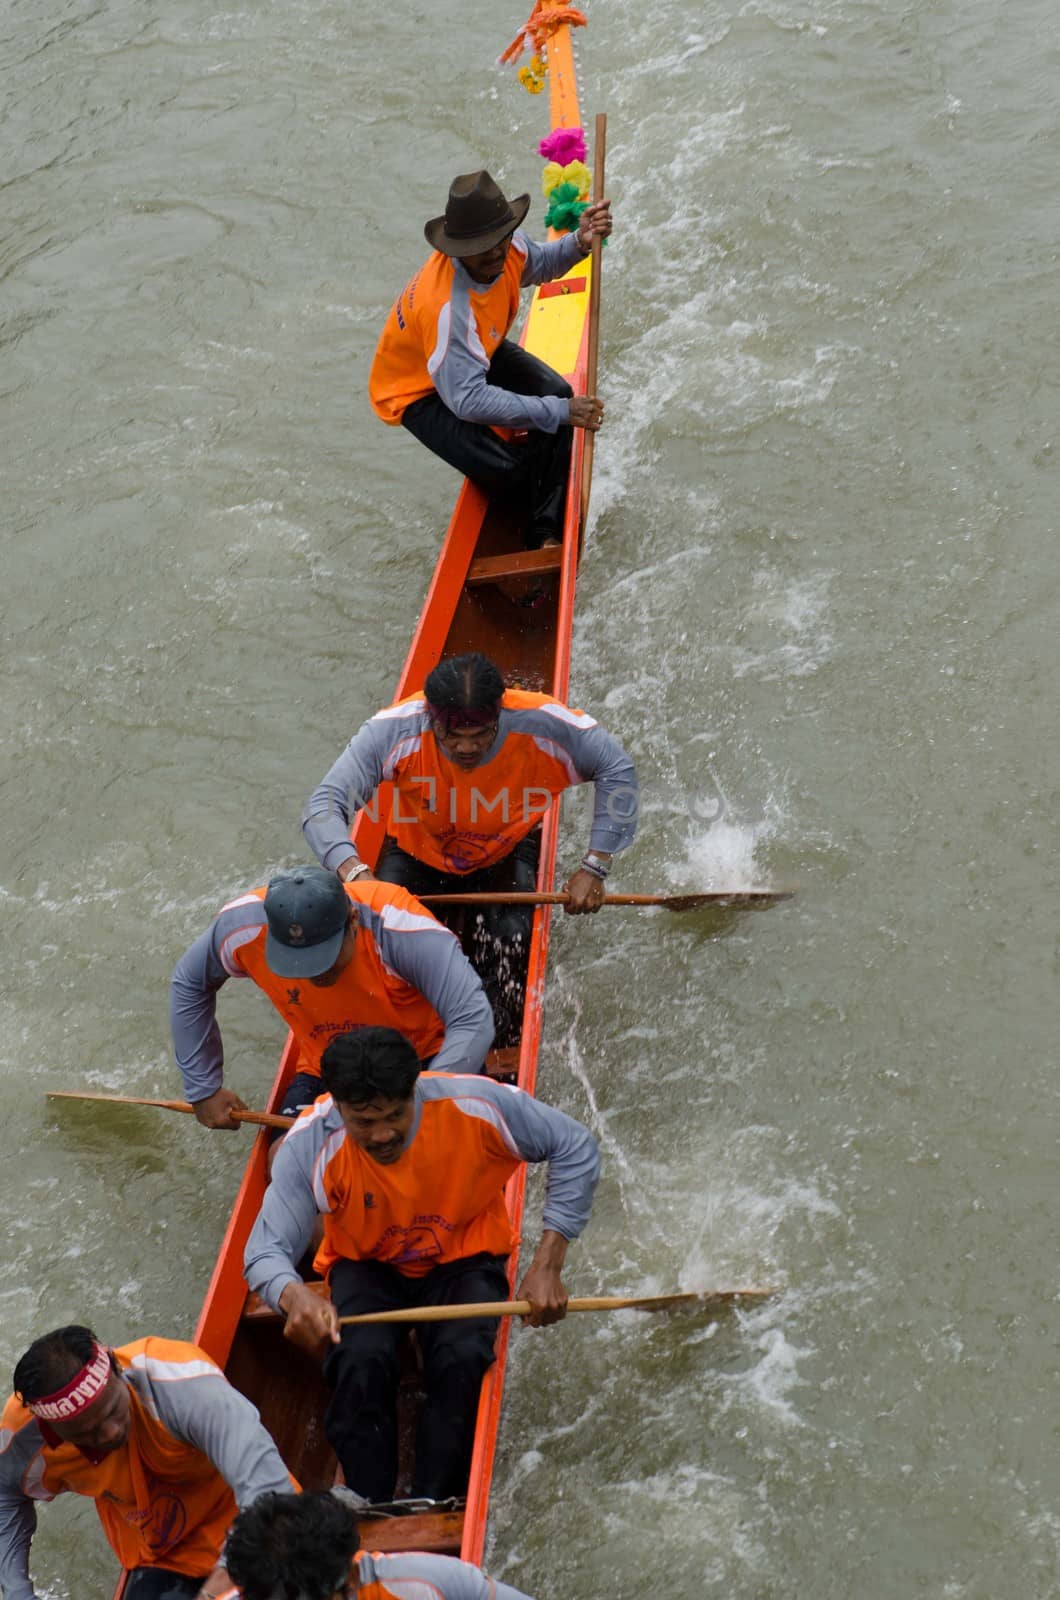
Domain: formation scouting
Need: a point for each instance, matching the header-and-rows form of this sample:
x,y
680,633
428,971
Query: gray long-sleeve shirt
x,y
194,1402
411,1576
458,364
392,745
413,947
300,1190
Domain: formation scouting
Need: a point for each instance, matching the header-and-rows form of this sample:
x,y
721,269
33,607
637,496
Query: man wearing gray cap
x,y
331,956
445,370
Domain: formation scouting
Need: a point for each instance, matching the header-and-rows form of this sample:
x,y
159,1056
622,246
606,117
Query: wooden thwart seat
x,y
503,1063
437,1531
515,564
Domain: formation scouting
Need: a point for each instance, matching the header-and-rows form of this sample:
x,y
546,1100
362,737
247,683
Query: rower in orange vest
x,y
307,1545
155,1434
446,371
409,1171
330,956
473,768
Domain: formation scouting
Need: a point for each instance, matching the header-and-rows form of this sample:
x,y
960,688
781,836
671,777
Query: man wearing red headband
x,y
474,767
155,1435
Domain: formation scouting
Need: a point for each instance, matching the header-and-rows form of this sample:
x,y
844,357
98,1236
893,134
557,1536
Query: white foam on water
x,y
527,1463
768,1384
734,1226
722,856
796,616
690,1511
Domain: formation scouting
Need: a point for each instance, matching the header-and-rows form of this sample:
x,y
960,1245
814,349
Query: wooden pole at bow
x,y
599,155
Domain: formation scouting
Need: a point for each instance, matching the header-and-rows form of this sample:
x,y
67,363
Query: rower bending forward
x,y
153,1433
474,767
330,958
307,1545
409,1173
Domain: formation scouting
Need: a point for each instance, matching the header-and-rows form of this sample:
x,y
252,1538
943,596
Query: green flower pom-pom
x,y
564,208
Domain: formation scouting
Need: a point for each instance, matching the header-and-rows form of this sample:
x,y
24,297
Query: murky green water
x,y
818,604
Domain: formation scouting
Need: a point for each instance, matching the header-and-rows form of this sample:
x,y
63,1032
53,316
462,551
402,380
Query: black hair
x,y
291,1547
369,1064
52,1360
464,683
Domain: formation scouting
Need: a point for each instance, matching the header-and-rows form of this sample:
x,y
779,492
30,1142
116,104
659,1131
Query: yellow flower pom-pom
x,y
552,175
578,173
531,82
537,66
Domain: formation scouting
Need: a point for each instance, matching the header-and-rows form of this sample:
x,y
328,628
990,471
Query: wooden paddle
x,y
670,902
523,1308
498,1062
592,354
263,1119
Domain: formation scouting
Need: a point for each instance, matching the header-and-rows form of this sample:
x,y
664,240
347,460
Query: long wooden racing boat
x,y
476,601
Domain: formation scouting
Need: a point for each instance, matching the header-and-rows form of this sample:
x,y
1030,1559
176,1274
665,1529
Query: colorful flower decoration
x,y
565,206
552,175
532,77
575,172
564,145
578,173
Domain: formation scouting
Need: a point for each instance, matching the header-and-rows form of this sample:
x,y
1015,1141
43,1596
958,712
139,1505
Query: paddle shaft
x,y
673,902
262,1119
523,1308
599,156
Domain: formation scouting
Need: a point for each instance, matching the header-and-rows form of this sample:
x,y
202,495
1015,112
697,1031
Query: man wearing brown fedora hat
x,y
445,370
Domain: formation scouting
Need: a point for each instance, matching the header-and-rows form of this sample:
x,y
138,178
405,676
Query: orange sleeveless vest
x,y
367,993
399,371
441,1201
462,821
162,1503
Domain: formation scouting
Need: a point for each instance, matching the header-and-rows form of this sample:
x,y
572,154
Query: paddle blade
x,y
735,899
671,1302
259,1119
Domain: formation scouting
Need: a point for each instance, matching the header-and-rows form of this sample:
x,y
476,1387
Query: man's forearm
x,y
551,1253
466,1043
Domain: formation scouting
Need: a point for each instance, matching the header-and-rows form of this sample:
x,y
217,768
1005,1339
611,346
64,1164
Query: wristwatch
x,y
595,864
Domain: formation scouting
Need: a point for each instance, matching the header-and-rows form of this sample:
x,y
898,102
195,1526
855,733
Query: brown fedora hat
x,y
477,216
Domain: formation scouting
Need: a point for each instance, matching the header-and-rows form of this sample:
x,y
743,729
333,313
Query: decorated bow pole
x,y
566,181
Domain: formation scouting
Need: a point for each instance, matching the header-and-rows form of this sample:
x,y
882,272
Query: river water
x,y
818,604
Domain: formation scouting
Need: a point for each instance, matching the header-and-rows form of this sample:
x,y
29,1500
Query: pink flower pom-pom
x,y
564,145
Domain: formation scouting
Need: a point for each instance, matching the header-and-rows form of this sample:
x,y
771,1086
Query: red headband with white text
x,y
77,1395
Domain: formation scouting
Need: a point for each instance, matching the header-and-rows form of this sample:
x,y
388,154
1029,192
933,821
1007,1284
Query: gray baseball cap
x,y
307,911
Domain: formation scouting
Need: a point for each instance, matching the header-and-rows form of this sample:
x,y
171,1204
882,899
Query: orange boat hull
x,y
475,602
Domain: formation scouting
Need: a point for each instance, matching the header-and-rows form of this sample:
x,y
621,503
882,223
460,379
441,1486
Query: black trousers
x,y
363,1372
532,472
155,1583
496,939
302,1090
